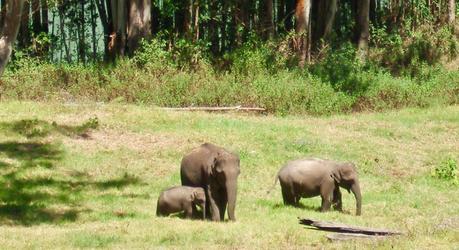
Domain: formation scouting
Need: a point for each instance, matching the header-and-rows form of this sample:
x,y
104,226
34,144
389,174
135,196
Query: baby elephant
x,y
313,177
183,198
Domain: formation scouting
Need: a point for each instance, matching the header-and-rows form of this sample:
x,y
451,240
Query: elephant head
x,y
226,169
199,198
345,174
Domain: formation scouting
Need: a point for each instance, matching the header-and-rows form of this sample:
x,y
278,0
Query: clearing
x,y
87,176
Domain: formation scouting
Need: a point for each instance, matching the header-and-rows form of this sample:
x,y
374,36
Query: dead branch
x,y
210,109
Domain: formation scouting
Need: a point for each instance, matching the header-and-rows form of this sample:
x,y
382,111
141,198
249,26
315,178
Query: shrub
x,y
447,171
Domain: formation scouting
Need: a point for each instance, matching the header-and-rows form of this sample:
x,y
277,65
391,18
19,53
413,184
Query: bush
x,y
447,171
257,76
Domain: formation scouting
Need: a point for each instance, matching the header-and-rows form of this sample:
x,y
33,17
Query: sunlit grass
x,y
60,189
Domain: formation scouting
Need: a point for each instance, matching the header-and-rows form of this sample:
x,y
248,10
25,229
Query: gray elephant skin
x,y
178,199
216,170
311,177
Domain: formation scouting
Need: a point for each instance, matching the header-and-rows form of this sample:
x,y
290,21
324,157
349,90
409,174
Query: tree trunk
x,y
155,19
36,18
196,20
93,30
242,20
289,10
325,18
62,31
363,28
82,34
106,26
303,28
451,12
117,44
45,24
24,38
280,15
12,20
44,16
139,26
213,29
223,28
266,19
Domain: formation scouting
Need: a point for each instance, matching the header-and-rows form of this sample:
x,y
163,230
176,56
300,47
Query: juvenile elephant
x,y
312,177
177,199
216,170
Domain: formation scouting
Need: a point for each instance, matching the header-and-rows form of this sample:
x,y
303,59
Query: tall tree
x,y
289,10
139,25
451,12
12,20
93,29
104,10
24,38
44,16
241,12
82,32
266,18
325,18
362,23
117,44
303,30
36,17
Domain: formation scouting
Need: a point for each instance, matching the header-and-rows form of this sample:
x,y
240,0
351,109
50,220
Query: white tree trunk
x,y
303,29
12,21
452,12
363,28
139,23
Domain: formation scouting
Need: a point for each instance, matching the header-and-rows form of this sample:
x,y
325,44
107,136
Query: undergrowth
x,y
258,74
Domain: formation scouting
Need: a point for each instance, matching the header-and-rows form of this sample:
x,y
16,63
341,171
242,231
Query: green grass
x,y
88,176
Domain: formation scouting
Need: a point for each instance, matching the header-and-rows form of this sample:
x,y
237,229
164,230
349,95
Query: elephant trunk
x,y
231,190
355,188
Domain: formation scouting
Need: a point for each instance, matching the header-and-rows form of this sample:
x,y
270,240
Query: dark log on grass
x,y
342,228
235,108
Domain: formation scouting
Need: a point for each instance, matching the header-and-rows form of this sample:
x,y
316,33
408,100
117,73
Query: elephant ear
x,y
336,175
215,164
348,172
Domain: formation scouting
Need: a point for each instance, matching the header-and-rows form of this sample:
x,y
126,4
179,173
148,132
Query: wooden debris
x,y
342,228
235,108
352,236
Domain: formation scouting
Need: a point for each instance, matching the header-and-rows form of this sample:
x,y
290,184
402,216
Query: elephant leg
x,y
189,211
288,196
326,193
221,203
213,198
194,210
337,202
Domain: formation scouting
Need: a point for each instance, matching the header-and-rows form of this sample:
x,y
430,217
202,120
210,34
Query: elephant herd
x,y
209,176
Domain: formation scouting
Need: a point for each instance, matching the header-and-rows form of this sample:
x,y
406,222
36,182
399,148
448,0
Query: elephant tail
x,y
275,182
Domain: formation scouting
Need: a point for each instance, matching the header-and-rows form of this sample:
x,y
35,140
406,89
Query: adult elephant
x,y
313,177
216,170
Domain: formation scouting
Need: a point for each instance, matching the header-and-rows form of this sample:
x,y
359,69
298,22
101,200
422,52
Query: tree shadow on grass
x,y
34,128
33,191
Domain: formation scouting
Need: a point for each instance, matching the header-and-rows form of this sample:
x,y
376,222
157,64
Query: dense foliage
x,y
238,52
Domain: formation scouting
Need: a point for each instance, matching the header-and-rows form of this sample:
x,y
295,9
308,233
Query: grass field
x,y
88,176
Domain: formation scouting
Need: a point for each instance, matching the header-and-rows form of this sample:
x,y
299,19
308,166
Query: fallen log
x,y
342,228
234,108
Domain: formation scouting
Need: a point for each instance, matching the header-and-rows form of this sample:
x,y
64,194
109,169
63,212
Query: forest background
x,y
315,57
